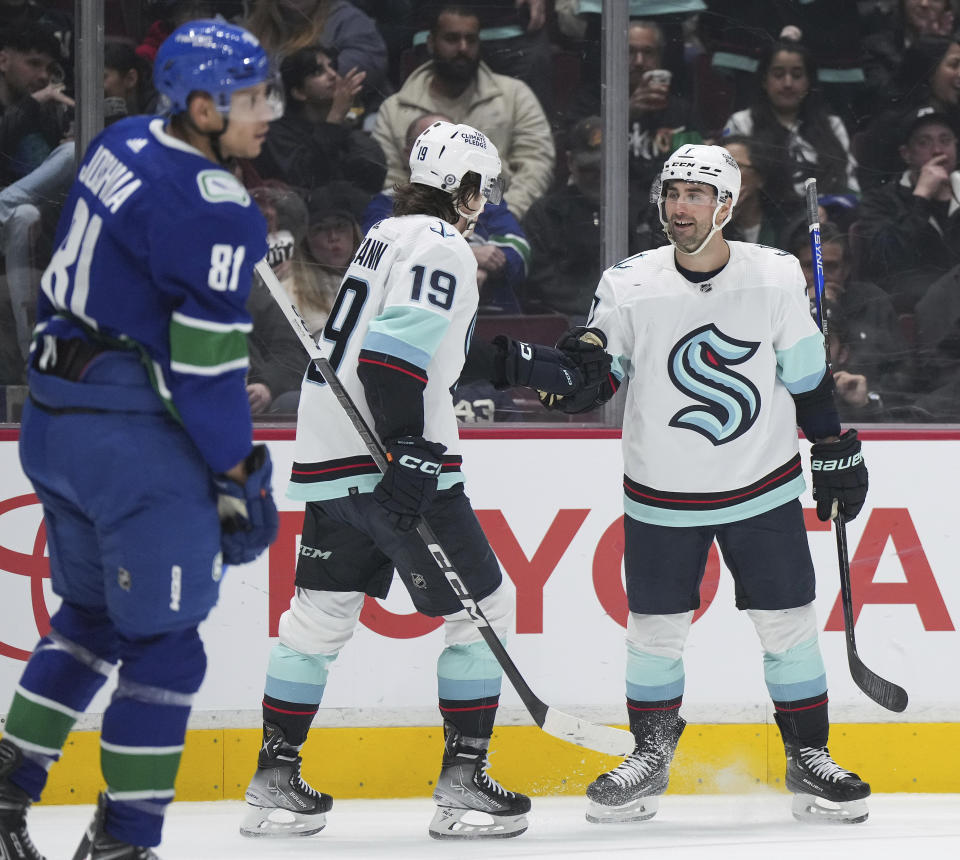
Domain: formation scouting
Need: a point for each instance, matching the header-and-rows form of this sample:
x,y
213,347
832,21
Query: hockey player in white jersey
x,y
397,336
724,361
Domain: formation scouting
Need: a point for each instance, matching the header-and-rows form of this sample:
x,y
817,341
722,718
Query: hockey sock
x,y
797,683
652,678
804,722
63,674
468,684
294,690
648,720
144,729
293,718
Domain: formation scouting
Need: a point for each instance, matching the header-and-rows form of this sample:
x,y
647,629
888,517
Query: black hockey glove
x,y
410,483
533,365
586,348
248,515
839,476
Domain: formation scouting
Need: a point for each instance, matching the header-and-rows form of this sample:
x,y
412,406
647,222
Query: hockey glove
x,y
533,365
585,347
839,477
248,515
409,485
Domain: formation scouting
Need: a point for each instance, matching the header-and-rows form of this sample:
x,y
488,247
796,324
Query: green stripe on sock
x,y
139,772
38,724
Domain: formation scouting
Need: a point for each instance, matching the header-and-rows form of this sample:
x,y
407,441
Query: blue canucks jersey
x,y
155,252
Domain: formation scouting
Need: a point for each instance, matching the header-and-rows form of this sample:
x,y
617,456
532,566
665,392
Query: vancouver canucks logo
x,y
700,366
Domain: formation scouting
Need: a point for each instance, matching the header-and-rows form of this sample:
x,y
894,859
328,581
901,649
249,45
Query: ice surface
x,y
716,827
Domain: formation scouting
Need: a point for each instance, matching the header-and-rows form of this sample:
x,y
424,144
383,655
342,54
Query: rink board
x,y
551,506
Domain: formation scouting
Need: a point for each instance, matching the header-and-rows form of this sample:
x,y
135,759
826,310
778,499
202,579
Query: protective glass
x,y
492,190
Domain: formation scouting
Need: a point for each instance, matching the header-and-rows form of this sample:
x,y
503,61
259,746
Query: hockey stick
x,y
566,727
885,693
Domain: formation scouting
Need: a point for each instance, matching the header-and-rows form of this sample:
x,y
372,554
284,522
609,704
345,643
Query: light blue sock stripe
x,y
447,688
291,691
797,673
296,677
468,672
652,678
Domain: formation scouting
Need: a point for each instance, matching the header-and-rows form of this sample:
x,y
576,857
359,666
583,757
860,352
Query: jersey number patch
x,y
225,262
77,247
343,318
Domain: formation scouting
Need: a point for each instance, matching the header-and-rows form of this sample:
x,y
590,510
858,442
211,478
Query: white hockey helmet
x,y
445,152
711,165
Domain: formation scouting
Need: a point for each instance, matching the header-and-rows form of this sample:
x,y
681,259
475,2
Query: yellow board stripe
x,y
404,762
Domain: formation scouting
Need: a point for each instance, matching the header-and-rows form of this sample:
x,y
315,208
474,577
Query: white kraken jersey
x,y
410,293
710,430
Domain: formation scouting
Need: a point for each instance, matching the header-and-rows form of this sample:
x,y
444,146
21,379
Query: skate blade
x,y
641,809
815,810
452,823
280,823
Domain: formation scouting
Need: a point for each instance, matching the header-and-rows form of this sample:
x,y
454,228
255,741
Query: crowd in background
x,y
864,96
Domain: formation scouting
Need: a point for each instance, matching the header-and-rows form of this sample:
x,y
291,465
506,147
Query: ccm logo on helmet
x,y
836,465
408,461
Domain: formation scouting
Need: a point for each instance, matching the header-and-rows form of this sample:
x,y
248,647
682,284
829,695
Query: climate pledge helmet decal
x,y
699,366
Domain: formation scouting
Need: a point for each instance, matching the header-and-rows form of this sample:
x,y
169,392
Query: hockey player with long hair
x,y
397,336
724,361
137,435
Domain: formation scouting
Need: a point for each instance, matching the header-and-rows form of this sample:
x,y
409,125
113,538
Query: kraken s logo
x,y
700,366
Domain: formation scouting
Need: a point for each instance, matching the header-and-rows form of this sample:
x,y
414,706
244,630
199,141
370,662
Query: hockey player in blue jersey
x,y
137,435
397,337
724,361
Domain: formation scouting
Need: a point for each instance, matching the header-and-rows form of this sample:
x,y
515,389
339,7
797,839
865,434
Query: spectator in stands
x,y
29,14
787,115
856,399
911,228
126,76
883,50
497,241
333,236
313,142
170,15
929,76
768,201
285,26
875,346
33,104
513,39
564,232
277,358
458,84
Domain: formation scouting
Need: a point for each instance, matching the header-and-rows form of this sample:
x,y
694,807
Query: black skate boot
x,y
630,792
97,844
15,841
470,803
824,791
279,802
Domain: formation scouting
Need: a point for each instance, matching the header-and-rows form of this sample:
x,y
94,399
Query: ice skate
x,y
631,791
15,841
279,802
97,844
824,791
470,803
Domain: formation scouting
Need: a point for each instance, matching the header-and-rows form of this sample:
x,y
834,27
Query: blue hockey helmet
x,y
210,56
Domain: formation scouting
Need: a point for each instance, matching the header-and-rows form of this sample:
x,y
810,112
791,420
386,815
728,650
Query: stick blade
x,y
604,739
885,693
